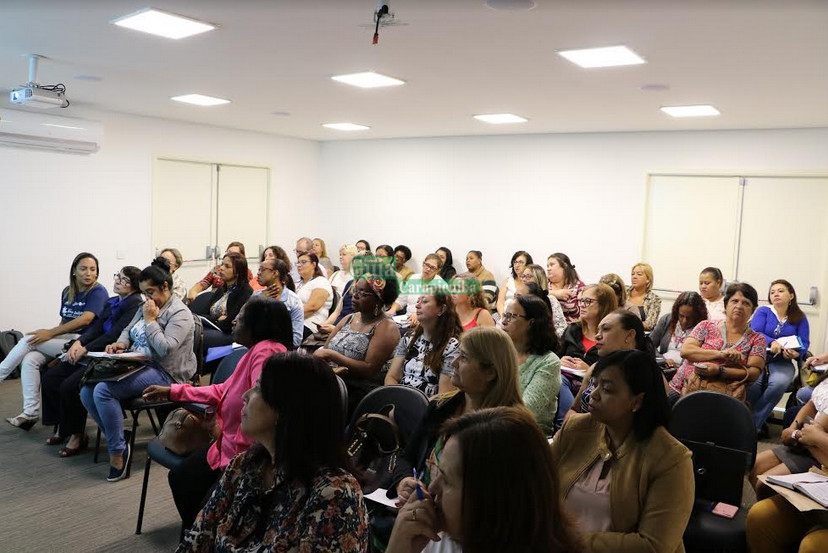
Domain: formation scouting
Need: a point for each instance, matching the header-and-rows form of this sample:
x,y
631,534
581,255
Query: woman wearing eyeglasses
x,y
426,282
579,344
314,290
520,259
781,320
363,341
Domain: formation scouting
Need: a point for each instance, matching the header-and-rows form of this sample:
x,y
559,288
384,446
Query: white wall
x,y
54,205
582,194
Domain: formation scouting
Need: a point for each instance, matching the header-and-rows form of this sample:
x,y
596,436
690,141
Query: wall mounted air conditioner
x,y
22,129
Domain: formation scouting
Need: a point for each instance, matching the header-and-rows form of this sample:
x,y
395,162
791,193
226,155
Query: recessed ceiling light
x,y
200,100
611,56
511,5
367,79
90,78
345,127
691,111
500,118
156,22
655,87
280,113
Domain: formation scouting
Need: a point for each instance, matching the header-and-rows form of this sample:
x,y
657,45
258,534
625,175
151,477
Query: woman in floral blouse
x,y
290,491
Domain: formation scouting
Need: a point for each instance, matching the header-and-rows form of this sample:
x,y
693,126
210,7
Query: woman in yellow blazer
x,y
624,478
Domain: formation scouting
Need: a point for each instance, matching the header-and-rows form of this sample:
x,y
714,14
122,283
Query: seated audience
x,y
402,255
469,302
291,491
362,342
60,387
80,303
214,280
277,252
315,292
384,250
520,259
711,283
264,327
175,259
774,524
534,274
303,246
447,271
426,282
615,282
723,356
318,247
620,330
476,504
672,329
528,323
272,276
341,278
162,330
794,455
363,247
564,284
578,348
424,358
226,301
625,480
641,299
781,319
474,264
485,376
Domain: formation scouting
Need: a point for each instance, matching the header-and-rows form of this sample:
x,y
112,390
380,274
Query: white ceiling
x,y
761,62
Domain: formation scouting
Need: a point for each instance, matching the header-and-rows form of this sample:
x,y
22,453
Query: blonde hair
x,y
617,284
539,276
648,272
493,349
476,298
321,243
349,249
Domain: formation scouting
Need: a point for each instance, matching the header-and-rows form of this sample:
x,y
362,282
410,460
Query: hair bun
x,y
161,263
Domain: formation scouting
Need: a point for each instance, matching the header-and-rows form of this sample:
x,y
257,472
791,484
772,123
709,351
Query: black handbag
x,y
103,369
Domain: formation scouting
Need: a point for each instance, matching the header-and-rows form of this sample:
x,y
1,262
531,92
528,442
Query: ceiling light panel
x,y
345,126
611,56
691,111
368,79
500,118
200,100
156,22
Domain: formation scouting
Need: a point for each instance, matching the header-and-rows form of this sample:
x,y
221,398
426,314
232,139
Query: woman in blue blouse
x,y
783,318
80,303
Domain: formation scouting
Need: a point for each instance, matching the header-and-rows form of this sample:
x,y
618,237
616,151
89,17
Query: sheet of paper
x,y
577,372
378,496
820,368
799,478
126,355
801,502
790,342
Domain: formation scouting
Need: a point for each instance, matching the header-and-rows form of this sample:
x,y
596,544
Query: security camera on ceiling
x,y
39,96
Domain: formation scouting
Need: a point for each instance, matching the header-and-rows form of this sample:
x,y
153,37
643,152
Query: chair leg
x,y
97,445
132,443
143,496
152,421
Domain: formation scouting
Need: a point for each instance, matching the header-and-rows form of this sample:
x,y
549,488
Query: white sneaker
x,y
23,421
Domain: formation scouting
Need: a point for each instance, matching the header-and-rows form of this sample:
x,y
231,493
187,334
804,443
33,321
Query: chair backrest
x,y
335,300
198,344
409,404
201,303
719,430
228,365
343,394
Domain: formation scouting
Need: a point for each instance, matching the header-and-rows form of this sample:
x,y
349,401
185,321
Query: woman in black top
x,y
226,301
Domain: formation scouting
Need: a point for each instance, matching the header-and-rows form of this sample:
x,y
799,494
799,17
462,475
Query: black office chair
x,y
719,431
201,303
409,404
166,458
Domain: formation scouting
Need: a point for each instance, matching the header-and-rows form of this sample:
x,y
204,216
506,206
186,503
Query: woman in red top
x,y
264,326
469,302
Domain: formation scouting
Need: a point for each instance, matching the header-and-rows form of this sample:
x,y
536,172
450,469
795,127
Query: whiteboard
x,y
784,228
182,200
691,222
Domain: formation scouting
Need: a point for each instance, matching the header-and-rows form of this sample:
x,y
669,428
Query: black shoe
x,y
763,433
120,474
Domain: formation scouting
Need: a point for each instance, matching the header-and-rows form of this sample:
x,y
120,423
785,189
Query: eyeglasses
x,y
508,317
356,294
263,269
303,262
429,266
118,278
586,302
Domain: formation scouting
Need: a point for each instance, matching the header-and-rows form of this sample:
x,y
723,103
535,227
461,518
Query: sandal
x,y
55,440
72,451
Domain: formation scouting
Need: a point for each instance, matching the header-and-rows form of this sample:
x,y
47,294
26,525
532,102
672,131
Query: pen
x,y
417,489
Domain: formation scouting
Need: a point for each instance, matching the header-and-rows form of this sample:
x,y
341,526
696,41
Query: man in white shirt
x,y
419,284
272,275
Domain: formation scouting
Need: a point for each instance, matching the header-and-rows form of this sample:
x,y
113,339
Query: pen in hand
x,y
417,489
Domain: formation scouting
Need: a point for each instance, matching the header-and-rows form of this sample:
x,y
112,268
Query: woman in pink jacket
x,y
264,326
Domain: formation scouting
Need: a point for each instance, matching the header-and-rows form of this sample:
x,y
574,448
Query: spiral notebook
x,y
810,484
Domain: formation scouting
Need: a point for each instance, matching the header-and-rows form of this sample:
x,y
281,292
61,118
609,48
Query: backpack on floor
x,y
9,339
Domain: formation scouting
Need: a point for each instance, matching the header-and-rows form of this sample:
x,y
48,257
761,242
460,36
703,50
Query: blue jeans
x,y
565,401
103,401
781,375
803,395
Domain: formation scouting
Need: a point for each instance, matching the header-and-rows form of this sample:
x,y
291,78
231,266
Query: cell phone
x,y
724,510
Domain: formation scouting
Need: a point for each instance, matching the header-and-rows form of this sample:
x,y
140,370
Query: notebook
x,y
809,484
789,342
820,368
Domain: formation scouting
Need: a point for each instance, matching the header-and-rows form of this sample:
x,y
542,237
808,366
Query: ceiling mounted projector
x,y
38,96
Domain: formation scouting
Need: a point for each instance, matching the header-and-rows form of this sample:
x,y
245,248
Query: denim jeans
x,y
103,401
781,375
31,359
565,401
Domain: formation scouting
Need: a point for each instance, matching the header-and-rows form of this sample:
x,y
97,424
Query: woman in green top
x,y
528,322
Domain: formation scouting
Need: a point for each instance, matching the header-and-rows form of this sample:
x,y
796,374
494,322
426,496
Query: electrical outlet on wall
x,y
120,254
